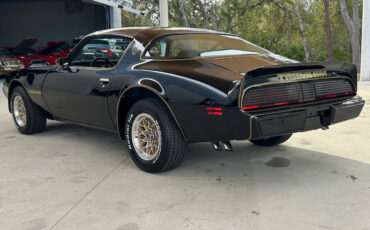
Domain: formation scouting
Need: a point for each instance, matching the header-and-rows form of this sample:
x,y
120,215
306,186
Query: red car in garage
x,y
51,53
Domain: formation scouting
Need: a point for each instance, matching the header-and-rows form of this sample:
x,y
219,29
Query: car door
x,y
78,91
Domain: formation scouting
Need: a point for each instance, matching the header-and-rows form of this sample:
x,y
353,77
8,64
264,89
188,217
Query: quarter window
x,y
201,45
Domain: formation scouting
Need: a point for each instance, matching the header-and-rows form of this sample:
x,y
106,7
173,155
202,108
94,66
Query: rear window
x,y
201,45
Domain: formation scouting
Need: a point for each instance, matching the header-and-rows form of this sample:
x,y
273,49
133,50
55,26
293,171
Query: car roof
x,y
147,34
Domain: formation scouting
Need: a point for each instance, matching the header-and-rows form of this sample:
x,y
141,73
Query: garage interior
x,y
56,20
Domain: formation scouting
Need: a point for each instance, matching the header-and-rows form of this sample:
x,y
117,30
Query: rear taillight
x,y
268,105
251,107
281,94
337,95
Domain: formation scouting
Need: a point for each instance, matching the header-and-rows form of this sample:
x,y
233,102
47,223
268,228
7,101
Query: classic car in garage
x,y
8,65
24,51
162,88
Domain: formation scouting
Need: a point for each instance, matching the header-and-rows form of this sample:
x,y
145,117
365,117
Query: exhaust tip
x,y
217,145
227,146
222,145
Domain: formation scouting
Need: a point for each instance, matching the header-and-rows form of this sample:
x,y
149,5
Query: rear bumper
x,y
264,126
198,126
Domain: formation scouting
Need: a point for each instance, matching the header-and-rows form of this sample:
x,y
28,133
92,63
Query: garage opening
x,y
50,20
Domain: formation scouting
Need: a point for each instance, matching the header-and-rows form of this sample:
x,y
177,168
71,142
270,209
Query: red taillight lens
x,y
348,93
251,107
217,111
296,92
331,95
268,105
214,108
281,103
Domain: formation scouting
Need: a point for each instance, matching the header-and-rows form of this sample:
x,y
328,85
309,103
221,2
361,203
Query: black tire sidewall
x,y
20,92
146,106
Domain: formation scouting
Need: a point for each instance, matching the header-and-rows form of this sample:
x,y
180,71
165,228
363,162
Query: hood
x,y
51,47
22,47
219,72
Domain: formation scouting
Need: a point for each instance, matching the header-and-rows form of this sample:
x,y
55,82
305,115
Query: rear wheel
x,y
271,141
154,140
27,117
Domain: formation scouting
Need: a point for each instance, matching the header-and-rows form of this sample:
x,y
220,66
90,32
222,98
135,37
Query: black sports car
x,y
162,88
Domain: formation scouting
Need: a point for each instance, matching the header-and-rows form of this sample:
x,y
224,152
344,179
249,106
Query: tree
x,y
301,27
203,11
328,30
353,26
183,13
272,24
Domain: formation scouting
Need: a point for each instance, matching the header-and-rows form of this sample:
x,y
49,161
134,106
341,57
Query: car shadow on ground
x,y
245,161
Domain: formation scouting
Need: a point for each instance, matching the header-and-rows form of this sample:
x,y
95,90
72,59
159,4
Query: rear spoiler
x,y
340,68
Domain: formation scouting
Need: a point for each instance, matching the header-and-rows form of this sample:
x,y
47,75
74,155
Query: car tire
x,y
27,117
271,141
154,140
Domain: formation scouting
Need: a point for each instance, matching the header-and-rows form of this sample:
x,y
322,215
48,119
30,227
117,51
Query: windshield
x,y
201,45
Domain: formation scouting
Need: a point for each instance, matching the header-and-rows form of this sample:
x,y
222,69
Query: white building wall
x,y
116,15
163,13
365,50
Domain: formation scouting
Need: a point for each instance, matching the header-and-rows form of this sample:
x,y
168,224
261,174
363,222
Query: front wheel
x,y
154,140
271,141
27,117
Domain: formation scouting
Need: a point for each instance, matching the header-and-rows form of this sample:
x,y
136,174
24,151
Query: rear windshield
x,y
201,45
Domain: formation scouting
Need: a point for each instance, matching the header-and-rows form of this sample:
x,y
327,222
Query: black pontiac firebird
x,y
161,88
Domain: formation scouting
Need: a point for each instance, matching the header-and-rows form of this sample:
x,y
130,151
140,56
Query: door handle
x,y
104,80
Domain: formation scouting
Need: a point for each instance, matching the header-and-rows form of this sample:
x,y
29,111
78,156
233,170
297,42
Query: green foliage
x,y
271,24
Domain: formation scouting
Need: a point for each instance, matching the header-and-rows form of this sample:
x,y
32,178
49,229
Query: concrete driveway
x,y
77,178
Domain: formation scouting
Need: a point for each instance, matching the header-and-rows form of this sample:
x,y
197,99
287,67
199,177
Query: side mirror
x,y
63,64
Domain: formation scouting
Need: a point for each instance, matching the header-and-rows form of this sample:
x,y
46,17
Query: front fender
x,y
31,81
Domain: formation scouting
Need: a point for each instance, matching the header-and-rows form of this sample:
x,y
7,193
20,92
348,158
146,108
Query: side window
x,y
101,52
158,49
